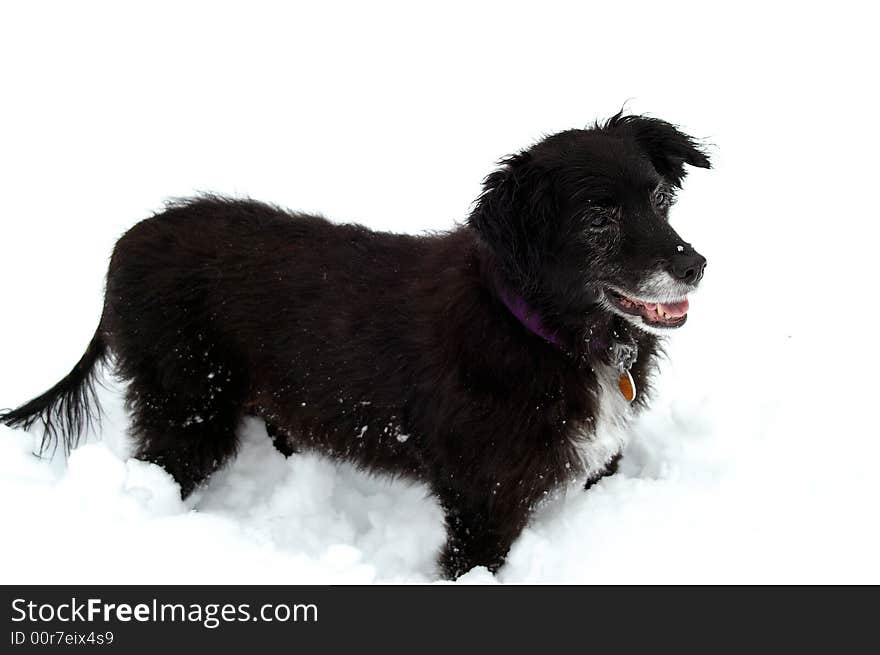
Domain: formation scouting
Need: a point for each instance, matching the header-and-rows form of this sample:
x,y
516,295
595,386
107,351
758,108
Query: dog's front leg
x,y
479,531
610,469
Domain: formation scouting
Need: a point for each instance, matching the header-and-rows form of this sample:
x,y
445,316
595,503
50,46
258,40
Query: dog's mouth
x,y
655,314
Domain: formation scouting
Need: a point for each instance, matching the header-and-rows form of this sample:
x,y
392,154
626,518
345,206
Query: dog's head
x,y
582,219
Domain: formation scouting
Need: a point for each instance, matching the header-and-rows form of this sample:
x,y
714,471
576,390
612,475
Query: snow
x,y
757,461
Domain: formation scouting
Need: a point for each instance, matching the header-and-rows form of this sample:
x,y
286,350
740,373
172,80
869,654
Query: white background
x,y
758,461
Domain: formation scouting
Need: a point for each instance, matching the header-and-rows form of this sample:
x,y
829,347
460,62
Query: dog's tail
x,y
69,407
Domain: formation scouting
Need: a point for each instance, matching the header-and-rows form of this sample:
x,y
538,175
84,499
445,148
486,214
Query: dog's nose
x,y
688,267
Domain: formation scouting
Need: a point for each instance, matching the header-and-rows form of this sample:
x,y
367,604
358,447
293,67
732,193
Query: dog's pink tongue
x,y
676,309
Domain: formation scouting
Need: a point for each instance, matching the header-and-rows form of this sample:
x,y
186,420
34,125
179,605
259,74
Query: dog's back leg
x,y
280,439
185,412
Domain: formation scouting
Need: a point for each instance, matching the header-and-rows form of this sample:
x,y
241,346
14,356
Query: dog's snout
x,y
688,267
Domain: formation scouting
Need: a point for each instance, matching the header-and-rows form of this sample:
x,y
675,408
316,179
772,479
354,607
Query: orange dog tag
x,y
627,386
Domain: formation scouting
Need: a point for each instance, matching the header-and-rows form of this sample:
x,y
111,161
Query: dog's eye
x,y
598,220
599,214
663,199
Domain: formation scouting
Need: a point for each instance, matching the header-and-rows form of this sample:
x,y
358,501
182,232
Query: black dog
x,y
494,362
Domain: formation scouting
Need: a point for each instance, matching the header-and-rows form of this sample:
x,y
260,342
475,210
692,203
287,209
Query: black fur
x,y
71,404
395,352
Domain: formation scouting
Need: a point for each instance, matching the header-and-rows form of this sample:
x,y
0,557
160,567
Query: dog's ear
x,y
668,148
514,214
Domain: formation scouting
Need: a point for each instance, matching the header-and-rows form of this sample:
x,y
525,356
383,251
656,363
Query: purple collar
x,y
530,319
